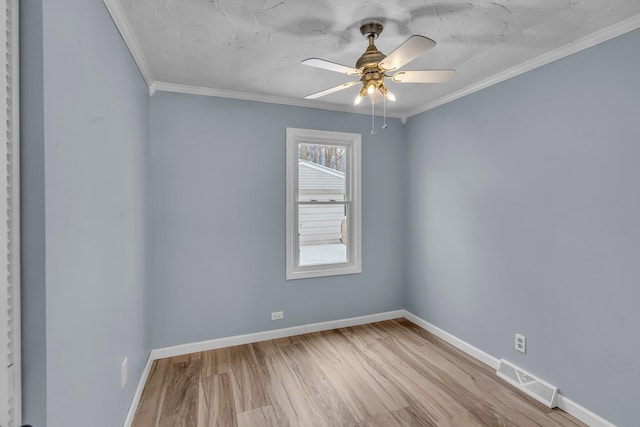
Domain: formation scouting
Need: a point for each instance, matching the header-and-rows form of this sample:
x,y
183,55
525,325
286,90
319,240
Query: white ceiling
x,y
252,49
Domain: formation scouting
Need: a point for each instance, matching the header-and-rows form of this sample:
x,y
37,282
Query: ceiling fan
x,y
374,66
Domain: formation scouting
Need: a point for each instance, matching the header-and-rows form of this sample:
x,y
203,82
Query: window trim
x,y
354,226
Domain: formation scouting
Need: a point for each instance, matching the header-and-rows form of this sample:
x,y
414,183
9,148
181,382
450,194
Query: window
x,y
323,203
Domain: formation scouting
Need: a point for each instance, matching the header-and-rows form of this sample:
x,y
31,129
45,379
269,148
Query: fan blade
x,y
413,47
427,76
331,66
332,90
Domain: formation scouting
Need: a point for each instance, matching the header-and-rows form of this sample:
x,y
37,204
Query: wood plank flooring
x,y
386,374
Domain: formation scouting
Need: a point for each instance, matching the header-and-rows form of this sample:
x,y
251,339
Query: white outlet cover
x,y
277,315
521,343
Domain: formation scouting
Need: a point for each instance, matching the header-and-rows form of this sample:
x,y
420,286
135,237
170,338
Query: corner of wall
x,y
32,211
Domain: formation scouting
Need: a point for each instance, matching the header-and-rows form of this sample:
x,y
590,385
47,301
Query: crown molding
x,y
120,19
588,41
583,43
270,99
597,37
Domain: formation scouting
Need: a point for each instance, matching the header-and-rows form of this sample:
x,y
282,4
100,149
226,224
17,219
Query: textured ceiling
x,y
255,46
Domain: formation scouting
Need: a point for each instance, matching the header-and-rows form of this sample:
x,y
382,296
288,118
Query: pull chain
x,y
373,129
384,113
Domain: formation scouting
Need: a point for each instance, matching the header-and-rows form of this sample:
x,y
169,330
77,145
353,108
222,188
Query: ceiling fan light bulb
x,y
390,96
370,89
358,100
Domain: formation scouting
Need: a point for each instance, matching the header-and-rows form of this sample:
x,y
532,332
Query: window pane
x,y
322,234
323,203
321,172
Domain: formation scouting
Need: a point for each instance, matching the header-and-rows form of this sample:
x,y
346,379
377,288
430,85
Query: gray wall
x,y
33,309
524,216
517,209
217,177
85,118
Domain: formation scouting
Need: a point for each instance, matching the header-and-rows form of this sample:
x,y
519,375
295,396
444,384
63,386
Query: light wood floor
x,y
385,374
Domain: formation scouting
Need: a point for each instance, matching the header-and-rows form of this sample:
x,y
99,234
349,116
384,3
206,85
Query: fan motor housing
x,y
371,75
371,58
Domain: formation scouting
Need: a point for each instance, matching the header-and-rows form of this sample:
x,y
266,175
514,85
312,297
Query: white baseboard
x,y
136,397
582,413
564,403
179,350
472,351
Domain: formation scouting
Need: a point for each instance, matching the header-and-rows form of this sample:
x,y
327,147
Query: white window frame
x,y
352,142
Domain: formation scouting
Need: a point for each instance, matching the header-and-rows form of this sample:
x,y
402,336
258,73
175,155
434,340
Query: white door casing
x,y
10,381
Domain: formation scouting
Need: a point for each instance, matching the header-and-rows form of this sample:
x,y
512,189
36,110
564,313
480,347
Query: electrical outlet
x,y
123,372
277,315
521,343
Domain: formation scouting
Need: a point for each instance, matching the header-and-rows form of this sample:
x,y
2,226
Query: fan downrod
x,y
372,56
